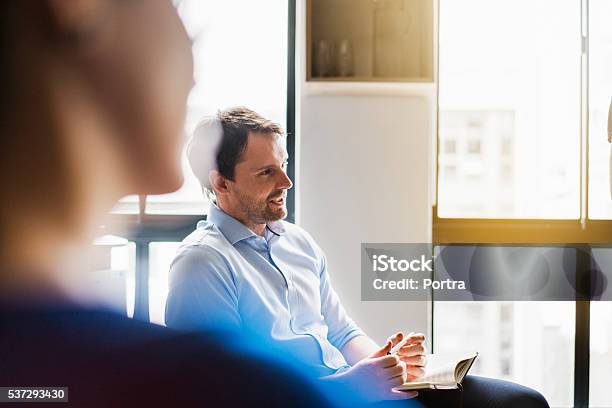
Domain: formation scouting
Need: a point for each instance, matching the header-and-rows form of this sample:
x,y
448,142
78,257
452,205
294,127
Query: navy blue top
x,y
109,360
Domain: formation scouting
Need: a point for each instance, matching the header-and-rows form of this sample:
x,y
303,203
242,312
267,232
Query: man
x,y
245,269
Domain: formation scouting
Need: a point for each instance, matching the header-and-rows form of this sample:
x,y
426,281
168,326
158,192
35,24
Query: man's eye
x,y
266,172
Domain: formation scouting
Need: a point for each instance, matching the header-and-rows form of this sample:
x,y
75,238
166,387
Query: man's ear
x,y
218,182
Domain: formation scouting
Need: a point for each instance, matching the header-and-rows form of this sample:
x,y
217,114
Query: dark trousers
x,y
478,392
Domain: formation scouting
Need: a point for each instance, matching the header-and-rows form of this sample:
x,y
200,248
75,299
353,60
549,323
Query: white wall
x,y
364,175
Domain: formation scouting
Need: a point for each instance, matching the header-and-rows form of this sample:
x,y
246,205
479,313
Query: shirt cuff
x,y
351,334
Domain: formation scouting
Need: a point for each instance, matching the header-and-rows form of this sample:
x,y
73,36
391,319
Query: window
x,y
528,110
600,202
480,167
511,90
531,343
122,265
474,146
601,340
236,62
600,98
450,146
243,55
601,354
161,255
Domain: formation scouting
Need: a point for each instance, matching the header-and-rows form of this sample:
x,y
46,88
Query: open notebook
x,y
443,371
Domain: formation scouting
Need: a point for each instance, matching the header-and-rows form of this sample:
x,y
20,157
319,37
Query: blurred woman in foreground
x,y
91,109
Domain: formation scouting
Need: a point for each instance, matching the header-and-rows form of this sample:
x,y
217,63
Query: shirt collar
x,y
276,227
233,229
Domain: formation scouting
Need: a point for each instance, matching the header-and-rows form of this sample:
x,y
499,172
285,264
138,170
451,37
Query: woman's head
x,y
92,108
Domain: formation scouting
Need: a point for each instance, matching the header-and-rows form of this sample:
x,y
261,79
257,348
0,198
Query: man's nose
x,y
285,182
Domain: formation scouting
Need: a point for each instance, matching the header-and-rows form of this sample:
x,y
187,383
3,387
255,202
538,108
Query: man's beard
x,y
259,212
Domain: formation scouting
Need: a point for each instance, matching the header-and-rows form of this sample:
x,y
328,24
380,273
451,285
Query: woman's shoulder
x,y
105,358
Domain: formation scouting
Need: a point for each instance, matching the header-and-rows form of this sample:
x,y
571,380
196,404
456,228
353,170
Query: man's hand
x,y
412,354
375,376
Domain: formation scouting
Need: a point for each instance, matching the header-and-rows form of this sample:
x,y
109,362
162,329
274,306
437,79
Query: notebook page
x,y
440,369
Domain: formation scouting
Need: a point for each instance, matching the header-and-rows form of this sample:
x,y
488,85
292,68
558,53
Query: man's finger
x,y
401,395
413,350
410,378
394,371
415,372
420,361
396,338
416,337
413,343
395,381
387,361
384,350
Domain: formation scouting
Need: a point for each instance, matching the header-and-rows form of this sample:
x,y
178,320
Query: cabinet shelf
x,y
375,88
370,41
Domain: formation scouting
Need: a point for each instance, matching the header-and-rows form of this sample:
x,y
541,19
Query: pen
x,y
401,344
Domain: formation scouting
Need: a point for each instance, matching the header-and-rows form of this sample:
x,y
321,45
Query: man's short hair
x,y
237,122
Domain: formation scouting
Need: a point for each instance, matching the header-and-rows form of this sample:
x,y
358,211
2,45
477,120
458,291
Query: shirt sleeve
x,y
202,293
341,327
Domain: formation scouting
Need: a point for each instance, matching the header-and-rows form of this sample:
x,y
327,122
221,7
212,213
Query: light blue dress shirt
x,y
276,289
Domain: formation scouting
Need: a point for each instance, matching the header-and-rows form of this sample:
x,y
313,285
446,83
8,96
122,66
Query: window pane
x,y
600,97
122,268
600,376
531,343
509,109
161,255
240,57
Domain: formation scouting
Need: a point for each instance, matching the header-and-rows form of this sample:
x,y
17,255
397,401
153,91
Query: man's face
x,y
259,188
